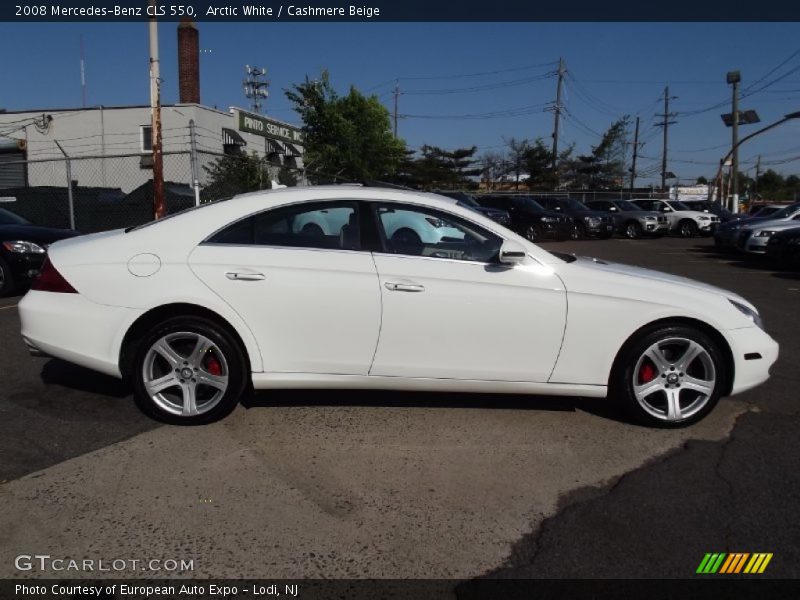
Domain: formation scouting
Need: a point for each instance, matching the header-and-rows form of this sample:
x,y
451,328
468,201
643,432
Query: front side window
x,y
420,231
323,225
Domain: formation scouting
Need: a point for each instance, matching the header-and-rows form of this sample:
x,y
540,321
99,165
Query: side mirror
x,y
666,209
511,253
612,209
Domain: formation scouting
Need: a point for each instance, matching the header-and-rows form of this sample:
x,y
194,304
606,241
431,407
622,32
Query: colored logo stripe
x,y
723,563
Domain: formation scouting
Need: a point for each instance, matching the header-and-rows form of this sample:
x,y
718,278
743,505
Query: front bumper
x,y
599,229
754,352
24,266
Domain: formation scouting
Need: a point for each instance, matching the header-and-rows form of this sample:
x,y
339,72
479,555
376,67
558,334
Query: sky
x,y
461,84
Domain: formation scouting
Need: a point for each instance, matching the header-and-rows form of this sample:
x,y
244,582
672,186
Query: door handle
x,y
404,287
244,276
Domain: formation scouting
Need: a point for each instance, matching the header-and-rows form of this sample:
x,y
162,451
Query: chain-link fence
x,y
109,192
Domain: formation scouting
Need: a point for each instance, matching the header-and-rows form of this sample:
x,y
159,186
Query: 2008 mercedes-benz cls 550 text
x,y
356,287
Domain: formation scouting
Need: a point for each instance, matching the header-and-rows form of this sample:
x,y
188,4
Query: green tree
x,y
235,174
539,166
349,137
701,180
604,167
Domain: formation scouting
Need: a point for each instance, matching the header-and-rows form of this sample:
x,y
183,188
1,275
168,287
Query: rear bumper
x,y
754,352
72,328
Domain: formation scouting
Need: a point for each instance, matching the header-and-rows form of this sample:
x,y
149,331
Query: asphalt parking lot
x,y
343,484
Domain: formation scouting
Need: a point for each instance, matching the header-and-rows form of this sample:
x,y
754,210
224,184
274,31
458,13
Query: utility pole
x,y
396,97
561,71
666,115
159,208
635,153
733,78
758,174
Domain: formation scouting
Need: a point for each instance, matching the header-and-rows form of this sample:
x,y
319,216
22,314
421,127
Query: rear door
x,y
299,279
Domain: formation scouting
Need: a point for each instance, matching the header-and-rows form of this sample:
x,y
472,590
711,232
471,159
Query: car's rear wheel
x,y
7,284
188,371
687,228
633,230
670,376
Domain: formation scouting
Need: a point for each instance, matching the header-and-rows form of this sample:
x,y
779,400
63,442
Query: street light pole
x,y
733,78
718,178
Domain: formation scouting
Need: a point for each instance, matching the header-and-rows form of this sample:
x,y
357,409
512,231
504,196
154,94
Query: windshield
x,y
626,205
576,205
529,203
9,218
678,205
785,212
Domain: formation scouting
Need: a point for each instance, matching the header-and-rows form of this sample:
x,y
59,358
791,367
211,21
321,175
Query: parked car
x,y
469,201
784,247
727,235
198,307
682,220
630,220
765,210
22,249
714,208
753,238
588,222
529,219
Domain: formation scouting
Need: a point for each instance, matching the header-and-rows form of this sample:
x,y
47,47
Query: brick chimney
x,y
189,62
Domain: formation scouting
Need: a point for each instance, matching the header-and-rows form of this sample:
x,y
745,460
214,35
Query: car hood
x,y
588,213
637,213
641,273
693,214
772,224
34,233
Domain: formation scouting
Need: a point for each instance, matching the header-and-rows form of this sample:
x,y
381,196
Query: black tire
x,y
7,283
234,360
532,233
621,382
688,228
633,230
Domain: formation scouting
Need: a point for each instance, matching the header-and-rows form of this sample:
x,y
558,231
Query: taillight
x,y
50,280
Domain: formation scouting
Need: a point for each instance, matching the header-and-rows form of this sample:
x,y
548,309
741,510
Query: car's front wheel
x,y
633,230
688,228
533,233
188,371
6,279
670,376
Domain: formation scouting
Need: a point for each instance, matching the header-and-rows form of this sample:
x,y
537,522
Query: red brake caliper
x,y
213,366
647,373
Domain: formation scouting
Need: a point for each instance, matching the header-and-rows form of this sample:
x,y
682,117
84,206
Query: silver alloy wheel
x,y
2,277
632,231
531,233
674,379
185,374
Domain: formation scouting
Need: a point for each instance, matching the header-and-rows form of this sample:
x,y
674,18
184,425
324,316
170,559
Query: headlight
x,y
749,313
23,247
649,218
592,220
763,233
549,219
795,240
703,218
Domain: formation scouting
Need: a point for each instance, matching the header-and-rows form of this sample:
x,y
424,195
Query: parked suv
x,y
529,218
469,201
714,208
587,222
630,220
682,219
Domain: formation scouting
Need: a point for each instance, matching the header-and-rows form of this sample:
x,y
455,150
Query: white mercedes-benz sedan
x,y
360,287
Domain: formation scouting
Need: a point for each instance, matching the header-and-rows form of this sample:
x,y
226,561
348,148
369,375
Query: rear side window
x,y
322,225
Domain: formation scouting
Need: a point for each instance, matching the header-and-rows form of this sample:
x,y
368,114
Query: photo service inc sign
x,y
258,125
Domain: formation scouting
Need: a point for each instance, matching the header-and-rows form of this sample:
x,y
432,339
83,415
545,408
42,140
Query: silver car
x,y
630,220
754,237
